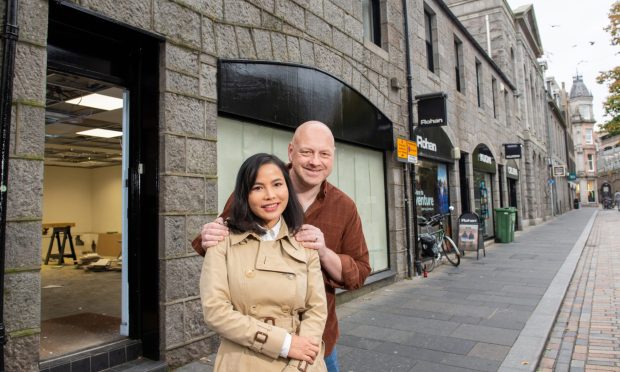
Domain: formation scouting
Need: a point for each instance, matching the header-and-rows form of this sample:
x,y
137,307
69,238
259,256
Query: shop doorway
x,y
84,274
88,54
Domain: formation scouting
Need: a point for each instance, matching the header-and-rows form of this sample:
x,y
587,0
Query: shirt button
x,y
250,273
290,276
286,309
253,310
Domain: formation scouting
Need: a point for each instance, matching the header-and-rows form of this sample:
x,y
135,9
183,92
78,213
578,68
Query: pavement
x,y
494,313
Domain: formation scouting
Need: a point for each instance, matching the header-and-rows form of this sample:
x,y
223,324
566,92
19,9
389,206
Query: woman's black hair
x,y
242,218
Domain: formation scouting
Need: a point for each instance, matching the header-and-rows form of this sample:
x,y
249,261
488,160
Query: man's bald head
x,y
313,129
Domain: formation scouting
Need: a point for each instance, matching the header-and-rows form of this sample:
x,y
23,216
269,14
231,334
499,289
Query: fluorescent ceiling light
x,y
98,101
104,133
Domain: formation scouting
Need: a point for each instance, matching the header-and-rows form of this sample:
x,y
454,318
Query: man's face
x,y
312,156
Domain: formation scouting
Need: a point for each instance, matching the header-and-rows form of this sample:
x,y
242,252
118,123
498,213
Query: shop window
x,y
591,192
483,202
431,188
357,171
430,39
458,67
372,21
479,82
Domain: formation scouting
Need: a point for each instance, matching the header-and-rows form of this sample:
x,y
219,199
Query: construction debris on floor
x,y
96,263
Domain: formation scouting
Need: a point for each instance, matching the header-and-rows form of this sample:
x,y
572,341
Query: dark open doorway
x,y
86,45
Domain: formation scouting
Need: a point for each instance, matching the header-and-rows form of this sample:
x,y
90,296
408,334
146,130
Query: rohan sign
x,y
431,110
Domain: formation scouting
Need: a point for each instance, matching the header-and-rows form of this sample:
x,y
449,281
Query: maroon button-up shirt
x,y
335,214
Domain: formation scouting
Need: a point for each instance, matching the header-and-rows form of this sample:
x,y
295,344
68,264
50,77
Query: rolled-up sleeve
x,y
220,315
353,256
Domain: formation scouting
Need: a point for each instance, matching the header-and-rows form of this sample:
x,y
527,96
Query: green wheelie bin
x,y
513,220
502,225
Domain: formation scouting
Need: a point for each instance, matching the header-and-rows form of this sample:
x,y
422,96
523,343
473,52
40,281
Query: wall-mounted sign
x,y
431,110
512,171
559,171
483,160
406,151
572,176
512,150
433,143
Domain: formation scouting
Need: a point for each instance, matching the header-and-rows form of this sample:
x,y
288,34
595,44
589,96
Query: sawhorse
x,y
66,231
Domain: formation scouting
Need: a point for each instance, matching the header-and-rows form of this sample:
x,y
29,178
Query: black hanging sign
x,y
512,150
432,110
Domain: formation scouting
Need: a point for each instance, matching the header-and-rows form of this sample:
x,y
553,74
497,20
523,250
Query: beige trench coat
x,y
253,292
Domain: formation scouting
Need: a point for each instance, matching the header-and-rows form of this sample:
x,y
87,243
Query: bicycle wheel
x,y
451,251
429,264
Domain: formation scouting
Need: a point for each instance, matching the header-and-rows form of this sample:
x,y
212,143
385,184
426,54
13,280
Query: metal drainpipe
x,y
9,35
417,263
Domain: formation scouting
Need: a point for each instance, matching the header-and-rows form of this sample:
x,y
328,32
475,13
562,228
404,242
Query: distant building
x,y
582,119
609,162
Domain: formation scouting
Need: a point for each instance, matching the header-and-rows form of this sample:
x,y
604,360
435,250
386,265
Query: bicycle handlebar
x,y
433,220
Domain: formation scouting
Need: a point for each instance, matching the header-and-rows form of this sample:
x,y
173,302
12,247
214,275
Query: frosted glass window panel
x,y
359,172
238,141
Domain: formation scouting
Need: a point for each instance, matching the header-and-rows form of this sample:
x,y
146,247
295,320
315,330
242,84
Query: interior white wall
x,y
91,198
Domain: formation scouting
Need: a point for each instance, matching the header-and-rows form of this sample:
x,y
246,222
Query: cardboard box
x,y
109,244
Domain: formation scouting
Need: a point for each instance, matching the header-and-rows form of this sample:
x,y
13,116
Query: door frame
x,y
85,43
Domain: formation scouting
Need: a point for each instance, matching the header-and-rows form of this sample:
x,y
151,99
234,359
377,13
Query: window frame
x,y
590,160
458,65
479,82
371,13
430,40
494,95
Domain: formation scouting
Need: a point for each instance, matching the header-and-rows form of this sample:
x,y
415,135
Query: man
x,y
332,223
617,199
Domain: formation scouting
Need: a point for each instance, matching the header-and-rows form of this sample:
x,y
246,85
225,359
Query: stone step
x,y
141,365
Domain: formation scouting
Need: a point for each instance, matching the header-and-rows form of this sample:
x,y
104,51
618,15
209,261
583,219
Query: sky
x,y
573,39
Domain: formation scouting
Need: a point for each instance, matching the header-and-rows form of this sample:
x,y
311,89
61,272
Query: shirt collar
x,y
272,234
281,234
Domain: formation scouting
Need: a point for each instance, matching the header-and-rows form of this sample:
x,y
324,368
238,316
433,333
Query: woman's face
x,y
269,195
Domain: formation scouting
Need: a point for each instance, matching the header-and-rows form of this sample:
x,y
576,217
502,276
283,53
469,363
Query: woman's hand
x,y
303,348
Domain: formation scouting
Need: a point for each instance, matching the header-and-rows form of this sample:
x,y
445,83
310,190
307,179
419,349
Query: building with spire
x,y
584,136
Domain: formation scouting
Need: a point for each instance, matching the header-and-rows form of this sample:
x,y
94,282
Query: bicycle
x,y
431,241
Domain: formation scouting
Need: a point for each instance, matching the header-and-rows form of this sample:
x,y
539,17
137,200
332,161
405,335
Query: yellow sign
x,y
406,151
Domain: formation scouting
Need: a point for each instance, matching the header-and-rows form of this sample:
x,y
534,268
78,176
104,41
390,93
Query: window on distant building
x,y
429,20
458,67
493,94
514,63
591,162
479,82
507,107
372,21
589,137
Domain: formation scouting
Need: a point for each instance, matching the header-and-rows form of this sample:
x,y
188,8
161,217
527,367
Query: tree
x,y
612,77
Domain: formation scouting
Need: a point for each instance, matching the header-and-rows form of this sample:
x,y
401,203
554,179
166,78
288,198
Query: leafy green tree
x,y
612,77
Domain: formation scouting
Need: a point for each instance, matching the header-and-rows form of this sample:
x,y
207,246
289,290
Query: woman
x,y
261,291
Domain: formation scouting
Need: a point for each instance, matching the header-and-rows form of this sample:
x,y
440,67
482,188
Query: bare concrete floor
x,y
79,309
